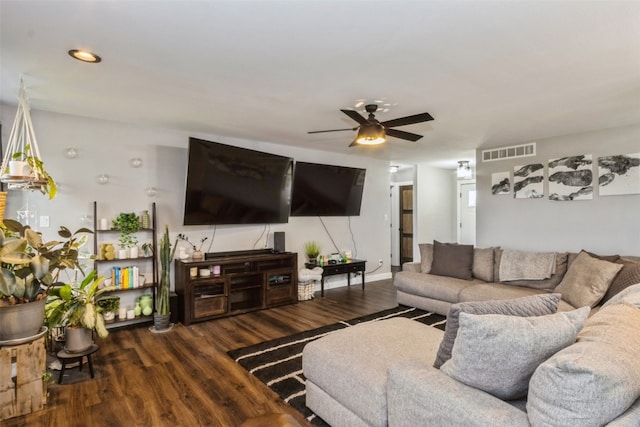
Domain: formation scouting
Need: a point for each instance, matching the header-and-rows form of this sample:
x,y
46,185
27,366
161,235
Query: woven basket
x,y
306,290
3,201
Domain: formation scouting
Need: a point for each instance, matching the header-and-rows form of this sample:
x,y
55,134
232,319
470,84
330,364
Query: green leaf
x,y
7,281
33,238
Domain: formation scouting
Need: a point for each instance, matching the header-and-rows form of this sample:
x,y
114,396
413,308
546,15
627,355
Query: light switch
x,y
44,221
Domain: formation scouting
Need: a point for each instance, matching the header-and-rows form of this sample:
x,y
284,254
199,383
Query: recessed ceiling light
x,y
85,56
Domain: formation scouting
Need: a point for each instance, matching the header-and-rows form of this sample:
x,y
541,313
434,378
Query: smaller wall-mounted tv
x,y
326,190
234,185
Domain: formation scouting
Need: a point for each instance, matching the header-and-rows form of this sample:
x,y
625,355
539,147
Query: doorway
x,y
467,213
405,203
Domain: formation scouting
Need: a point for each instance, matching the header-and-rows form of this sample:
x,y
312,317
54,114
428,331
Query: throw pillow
x,y
610,258
593,381
426,257
452,260
534,305
498,354
629,275
482,267
587,280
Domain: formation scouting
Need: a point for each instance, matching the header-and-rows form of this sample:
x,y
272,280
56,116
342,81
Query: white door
x,y
467,213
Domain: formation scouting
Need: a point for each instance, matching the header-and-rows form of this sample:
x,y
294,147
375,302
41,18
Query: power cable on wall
x,y
329,234
213,236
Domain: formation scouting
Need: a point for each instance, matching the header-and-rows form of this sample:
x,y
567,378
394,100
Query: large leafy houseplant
x,y
77,306
29,268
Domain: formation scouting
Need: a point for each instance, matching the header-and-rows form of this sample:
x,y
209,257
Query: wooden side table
x,y
348,267
67,357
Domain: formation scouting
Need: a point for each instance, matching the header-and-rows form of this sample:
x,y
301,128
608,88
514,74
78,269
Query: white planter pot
x,y
19,168
133,252
123,253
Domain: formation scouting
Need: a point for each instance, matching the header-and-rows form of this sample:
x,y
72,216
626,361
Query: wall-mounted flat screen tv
x,y
326,190
233,185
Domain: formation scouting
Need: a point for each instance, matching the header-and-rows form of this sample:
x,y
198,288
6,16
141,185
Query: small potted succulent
x,y
108,306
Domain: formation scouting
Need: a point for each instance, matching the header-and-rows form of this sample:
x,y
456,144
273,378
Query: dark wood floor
x,y
184,377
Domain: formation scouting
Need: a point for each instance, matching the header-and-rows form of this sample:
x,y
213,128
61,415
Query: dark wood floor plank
x,y
184,377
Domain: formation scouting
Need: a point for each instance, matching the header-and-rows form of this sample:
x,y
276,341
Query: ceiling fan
x,y
373,132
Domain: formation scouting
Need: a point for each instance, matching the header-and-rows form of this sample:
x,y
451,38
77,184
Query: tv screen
x,y
233,185
326,190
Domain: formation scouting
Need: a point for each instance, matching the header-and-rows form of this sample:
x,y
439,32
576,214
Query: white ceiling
x,y
490,72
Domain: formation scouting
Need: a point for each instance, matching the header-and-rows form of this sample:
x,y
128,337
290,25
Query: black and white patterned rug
x,y
278,363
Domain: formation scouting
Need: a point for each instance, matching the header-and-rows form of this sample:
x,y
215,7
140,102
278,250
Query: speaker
x,y
278,241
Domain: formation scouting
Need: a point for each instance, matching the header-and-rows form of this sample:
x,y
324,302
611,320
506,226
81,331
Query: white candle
x,y
103,224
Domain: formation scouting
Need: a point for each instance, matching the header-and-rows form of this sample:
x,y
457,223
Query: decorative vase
x,y
182,253
137,309
145,220
21,320
77,339
197,255
133,252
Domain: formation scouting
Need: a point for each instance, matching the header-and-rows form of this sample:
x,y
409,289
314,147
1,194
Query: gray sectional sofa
x,y
479,279
528,361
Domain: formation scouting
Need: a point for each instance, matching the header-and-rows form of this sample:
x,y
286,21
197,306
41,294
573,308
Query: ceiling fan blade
x,y
403,135
355,116
409,120
331,130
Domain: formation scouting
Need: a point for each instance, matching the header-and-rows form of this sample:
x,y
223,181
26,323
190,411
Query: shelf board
x,y
129,322
121,260
145,286
118,231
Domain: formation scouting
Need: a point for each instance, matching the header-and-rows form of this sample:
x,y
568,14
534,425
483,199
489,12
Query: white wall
x,y
106,147
435,204
604,225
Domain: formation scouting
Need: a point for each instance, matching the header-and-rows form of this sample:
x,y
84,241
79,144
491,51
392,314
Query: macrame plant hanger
x,y
22,166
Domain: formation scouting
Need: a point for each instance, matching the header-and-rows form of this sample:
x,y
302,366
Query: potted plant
x,y
25,163
312,250
197,250
127,223
109,306
162,315
29,267
147,249
76,309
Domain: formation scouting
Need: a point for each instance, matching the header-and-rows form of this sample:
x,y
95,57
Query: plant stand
x,y
21,384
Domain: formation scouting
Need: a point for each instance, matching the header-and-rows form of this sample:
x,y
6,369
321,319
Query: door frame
x,y
459,199
395,219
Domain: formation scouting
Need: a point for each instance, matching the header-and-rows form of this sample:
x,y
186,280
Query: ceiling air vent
x,y
524,150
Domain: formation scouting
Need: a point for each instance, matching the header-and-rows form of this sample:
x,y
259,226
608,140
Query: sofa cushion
x,y
546,284
610,258
587,280
482,267
351,364
594,380
426,257
431,286
452,260
630,295
628,275
498,354
536,305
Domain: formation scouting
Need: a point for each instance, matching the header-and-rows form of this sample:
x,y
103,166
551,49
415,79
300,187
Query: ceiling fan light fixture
x,y
371,134
84,56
